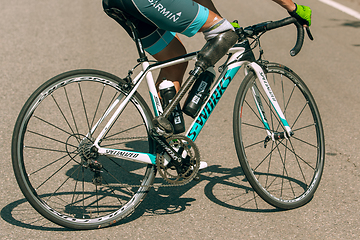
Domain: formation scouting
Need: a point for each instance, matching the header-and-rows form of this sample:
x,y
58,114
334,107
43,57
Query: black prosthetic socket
x,y
215,49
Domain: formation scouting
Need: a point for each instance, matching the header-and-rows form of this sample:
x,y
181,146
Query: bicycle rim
x,y
287,172
47,161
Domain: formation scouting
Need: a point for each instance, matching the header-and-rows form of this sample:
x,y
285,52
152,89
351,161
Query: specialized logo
x,y
268,86
122,153
166,13
168,150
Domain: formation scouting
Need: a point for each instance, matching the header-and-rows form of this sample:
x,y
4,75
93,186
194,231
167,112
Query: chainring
x,y
179,173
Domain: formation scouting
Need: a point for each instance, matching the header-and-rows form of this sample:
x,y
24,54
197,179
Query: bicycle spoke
x,y
48,165
63,130
62,113
97,105
71,110
302,110
84,107
251,125
62,184
297,160
122,168
284,171
54,173
297,156
269,154
255,113
50,138
307,126
289,98
45,149
74,191
294,137
253,144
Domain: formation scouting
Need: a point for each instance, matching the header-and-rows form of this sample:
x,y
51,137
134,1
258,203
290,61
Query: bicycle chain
x,y
121,139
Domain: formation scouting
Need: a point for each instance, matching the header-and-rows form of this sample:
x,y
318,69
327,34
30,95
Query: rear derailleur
x,y
89,154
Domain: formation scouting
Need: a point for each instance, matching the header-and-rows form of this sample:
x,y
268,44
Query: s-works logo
x,y
209,107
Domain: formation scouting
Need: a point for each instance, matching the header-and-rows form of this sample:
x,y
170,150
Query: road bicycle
x,y
86,147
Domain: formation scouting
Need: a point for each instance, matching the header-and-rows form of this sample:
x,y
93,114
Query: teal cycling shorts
x,y
159,20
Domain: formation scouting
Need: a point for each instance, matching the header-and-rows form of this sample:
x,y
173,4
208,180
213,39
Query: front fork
x,y
271,135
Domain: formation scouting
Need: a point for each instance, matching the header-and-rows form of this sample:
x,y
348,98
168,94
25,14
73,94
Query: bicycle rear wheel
x,y
287,172
49,139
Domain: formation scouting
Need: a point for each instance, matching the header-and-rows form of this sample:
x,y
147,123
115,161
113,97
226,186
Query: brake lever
x,y
309,33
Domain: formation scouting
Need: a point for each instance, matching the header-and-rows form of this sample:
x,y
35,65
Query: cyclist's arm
x,y
301,13
289,5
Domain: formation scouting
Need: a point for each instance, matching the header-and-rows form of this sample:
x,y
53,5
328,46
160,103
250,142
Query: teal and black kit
x,y
159,20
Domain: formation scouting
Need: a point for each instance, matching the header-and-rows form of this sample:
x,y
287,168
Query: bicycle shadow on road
x,y
230,189
226,187
21,214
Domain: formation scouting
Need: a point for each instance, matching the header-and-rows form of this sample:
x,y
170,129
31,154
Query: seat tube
x,y
152,89
145,65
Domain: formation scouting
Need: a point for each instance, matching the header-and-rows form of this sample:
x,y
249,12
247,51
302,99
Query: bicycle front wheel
x,y
284,172
52,135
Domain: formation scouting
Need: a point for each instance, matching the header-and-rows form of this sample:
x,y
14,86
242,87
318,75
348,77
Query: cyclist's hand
x,y
235,25
302,14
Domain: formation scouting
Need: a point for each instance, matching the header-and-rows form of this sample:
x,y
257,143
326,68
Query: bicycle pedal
x,y
197,177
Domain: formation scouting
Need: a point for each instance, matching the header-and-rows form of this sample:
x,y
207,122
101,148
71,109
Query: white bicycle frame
x,y
234,63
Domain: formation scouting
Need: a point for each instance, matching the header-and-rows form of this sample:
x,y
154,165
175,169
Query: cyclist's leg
x,y
174,73
186,17
159,43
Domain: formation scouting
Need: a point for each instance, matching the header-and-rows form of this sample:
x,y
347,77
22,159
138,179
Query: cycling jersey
x,y
159,20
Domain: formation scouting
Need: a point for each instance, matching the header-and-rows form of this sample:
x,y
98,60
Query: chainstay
x,y
167,184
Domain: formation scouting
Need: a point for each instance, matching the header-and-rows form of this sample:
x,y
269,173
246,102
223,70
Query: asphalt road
x,y
40,39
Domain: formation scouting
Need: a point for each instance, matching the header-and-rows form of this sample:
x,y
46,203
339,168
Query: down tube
x,y
211,102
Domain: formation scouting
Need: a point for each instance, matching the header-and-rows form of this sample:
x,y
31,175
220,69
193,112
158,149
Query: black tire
x,y
46,157
287,172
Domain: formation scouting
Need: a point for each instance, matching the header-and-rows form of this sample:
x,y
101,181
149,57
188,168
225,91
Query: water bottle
x,y
167,93
199,92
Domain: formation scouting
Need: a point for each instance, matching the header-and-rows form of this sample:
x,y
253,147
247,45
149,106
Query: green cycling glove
x,y
235,25
302,14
